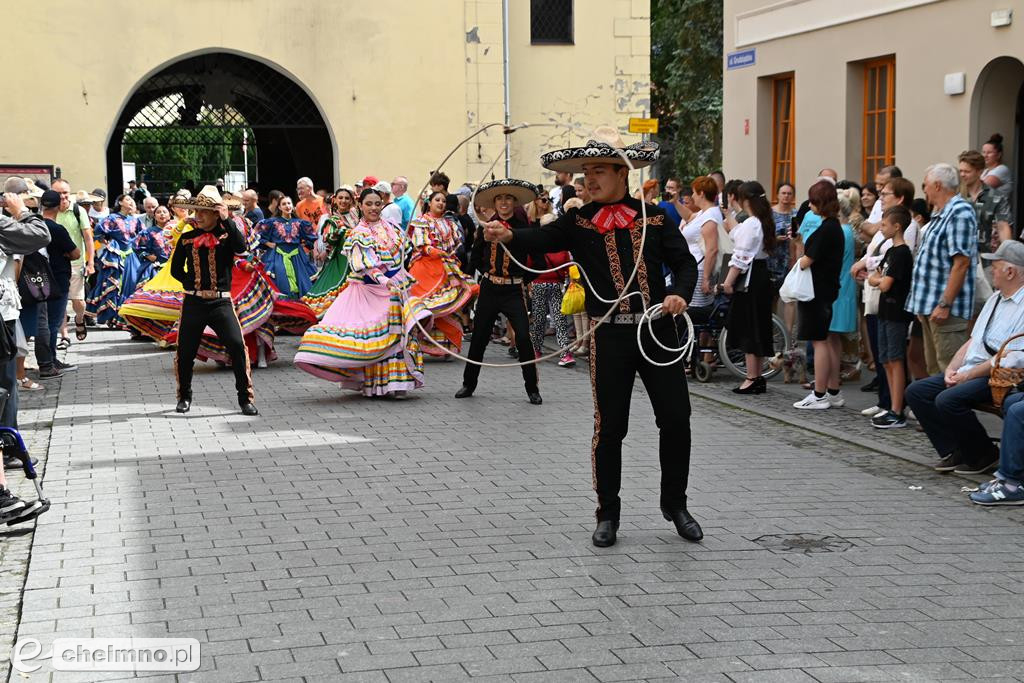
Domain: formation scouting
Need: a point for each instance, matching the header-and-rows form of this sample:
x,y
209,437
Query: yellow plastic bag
x,y
572,300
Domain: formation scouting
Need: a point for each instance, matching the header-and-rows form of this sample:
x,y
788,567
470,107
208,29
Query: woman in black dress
x,y
823,254
750,311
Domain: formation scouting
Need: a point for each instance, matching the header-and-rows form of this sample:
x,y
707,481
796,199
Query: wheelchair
x,y
713,340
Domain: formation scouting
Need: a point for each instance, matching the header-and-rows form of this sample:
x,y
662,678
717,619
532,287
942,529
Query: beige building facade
x,y
334,89
854,85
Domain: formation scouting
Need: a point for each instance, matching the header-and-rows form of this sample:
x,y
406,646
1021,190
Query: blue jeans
x,y
9,381
884,398
42,320
1011,456
947,415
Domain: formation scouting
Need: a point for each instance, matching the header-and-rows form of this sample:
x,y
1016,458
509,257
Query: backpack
x,y
36,281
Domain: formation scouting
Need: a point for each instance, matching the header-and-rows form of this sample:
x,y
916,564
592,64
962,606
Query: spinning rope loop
x,y
647,318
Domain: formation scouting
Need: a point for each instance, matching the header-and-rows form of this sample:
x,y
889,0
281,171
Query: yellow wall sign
x,y
643,125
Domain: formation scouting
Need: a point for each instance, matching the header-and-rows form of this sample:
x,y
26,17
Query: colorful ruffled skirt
x,y
291,269
115,282
154,308
366,342
328,284
444,290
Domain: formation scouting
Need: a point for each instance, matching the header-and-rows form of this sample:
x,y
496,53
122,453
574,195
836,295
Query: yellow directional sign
x,y
643,125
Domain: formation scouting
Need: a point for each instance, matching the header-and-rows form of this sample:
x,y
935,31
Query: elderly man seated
x,y
944,403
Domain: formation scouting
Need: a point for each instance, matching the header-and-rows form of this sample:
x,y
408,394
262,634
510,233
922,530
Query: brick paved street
x,y
337,538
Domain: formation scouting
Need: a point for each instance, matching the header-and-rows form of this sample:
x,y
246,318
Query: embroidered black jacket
x,y
609,258
203,269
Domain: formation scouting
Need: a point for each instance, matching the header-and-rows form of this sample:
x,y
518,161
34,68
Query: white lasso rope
x,y
647,318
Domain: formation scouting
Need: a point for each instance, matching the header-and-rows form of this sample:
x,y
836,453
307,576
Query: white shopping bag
x,y
798,285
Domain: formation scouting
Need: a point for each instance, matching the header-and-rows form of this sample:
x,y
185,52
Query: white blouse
x,y
692,230
748,243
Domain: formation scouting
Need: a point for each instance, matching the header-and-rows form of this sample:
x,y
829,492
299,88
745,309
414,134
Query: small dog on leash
x,y
793,363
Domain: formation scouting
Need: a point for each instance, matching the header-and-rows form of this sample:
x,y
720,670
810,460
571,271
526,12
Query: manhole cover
x,y
804,543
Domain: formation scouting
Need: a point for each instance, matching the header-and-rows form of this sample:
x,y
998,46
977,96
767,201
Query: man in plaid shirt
x,y
942,289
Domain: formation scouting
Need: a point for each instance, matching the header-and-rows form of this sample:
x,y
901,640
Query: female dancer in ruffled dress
x,y
118,264
366,339
284,240
440,282
329,281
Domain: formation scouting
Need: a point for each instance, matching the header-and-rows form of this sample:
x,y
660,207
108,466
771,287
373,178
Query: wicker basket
x,y
1002,380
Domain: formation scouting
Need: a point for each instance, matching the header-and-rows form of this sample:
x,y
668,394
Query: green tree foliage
x,y
167,158
686,75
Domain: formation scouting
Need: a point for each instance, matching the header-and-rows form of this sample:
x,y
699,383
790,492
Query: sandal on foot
x,y
26,384
63,343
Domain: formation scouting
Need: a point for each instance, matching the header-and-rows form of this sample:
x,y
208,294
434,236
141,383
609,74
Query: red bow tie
x,y
612,217
207,239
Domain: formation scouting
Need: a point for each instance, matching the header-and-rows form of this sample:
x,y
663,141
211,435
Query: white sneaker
x,y
910,414
836,401
872,411
812,402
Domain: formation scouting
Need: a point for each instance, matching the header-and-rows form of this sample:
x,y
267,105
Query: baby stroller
x,y
713,342
14,449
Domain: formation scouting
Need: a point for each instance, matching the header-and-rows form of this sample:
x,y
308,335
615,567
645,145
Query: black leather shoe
x,y
686,525
870,387
249,409
758,385
604,534
535,398
464,392
183,405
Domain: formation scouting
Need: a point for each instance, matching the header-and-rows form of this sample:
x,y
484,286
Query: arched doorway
x,y
187,123
997,106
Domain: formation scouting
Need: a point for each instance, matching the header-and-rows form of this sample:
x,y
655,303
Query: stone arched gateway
x,y
205,102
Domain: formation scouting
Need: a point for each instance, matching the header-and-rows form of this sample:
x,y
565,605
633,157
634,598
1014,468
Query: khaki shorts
x,y
77,291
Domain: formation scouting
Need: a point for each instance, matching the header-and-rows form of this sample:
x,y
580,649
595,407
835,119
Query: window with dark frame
x,y
551,22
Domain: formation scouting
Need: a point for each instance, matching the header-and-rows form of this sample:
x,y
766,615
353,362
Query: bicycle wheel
x,y
735,360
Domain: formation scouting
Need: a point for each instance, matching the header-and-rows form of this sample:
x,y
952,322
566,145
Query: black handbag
x,y
36,281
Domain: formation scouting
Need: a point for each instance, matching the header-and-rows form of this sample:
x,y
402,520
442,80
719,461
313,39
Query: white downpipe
x,y
505,72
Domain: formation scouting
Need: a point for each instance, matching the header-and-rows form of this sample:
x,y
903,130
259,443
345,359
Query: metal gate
x,y
204,116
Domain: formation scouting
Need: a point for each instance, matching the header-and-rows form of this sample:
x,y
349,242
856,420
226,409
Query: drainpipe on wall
x,y
505,72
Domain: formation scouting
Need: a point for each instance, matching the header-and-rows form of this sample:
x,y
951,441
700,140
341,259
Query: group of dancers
x,y
385,296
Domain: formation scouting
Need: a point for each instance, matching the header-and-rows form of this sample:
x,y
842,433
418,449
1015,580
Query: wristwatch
x,y
943,303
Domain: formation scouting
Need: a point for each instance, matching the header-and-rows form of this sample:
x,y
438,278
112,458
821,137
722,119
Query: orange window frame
x,y
879,108
783,130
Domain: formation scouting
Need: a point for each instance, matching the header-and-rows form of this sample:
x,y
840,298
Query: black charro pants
x,y
615,360
219,314
493,300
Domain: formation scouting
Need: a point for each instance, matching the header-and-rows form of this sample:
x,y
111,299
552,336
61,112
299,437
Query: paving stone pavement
x,y
337,538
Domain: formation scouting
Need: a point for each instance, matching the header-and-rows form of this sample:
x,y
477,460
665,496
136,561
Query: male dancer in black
x,y
202,262
604,237
502,284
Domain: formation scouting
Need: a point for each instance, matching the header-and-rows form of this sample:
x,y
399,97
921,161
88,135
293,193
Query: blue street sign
x,y
738,60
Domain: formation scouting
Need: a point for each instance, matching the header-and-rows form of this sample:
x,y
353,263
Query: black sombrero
x,y
604,148
520,189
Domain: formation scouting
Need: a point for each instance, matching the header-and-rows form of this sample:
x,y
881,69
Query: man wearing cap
x,y
75,220
392,213
202,262
60,253
21,232
944,404
502,284
98,211
606,237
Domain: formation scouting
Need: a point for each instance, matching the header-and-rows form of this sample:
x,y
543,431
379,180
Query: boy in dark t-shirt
x,y
893,279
